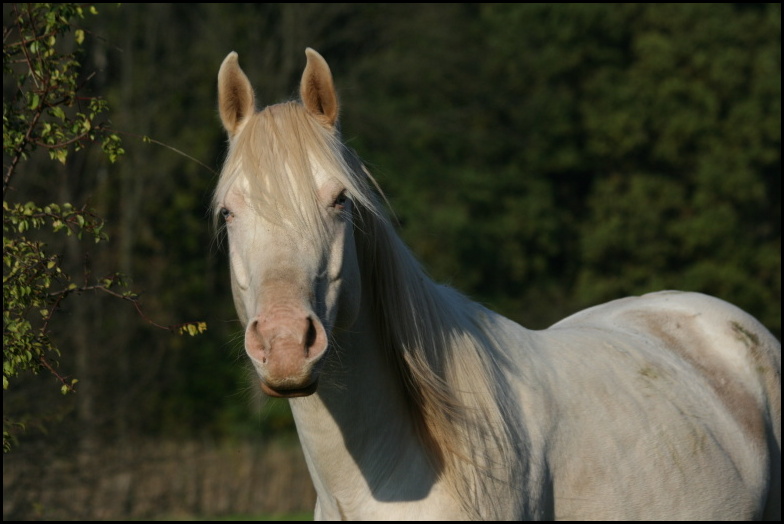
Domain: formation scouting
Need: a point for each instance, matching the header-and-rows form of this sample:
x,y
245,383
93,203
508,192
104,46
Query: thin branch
x,y
136,304
24,43
61,145
21,43
45,363
54,308
18,151
145,138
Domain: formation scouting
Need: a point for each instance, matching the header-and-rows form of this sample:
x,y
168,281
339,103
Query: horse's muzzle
x,y
285,343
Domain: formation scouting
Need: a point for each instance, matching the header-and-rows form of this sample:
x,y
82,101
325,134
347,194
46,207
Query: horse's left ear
x,y
317,90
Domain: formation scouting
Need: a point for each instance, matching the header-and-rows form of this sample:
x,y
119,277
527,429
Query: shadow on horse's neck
x,y
391,407
359,422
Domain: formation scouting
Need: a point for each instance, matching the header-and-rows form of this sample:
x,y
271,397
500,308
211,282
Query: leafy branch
x,y
47,111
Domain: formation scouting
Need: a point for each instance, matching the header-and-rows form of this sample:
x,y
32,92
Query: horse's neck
x,y
358,437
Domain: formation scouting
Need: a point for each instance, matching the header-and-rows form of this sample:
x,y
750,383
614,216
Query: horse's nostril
x,y
310,336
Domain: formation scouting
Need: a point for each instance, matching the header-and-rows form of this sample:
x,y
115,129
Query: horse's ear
x,y
235,95
317,90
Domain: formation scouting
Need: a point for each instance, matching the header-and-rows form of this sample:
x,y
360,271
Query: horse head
x,y
286,203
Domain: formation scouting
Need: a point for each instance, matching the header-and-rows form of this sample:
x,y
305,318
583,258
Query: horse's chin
x,y
289,392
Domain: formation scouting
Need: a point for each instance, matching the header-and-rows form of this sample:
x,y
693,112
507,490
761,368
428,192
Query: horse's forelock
x,y
278,153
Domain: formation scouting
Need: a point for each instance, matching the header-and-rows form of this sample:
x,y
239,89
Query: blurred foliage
x,y
539,157
45,108
548,157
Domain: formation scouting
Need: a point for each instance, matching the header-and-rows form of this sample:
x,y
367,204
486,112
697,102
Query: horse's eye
x,y
225,213
341,201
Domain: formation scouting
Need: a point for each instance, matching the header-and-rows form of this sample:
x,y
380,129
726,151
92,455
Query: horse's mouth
x,y
289,393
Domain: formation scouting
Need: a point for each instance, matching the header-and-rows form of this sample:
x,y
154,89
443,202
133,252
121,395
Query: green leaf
x,y
61,155
58,112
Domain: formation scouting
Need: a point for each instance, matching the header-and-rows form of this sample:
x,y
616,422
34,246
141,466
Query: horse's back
x,y
701,329
705,376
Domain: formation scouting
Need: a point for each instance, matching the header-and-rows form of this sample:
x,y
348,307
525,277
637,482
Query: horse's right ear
x,y
235,95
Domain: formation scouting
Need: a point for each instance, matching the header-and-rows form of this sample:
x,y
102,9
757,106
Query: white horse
x,y
413,402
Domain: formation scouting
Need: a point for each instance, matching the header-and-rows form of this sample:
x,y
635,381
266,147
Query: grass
x,y
302,516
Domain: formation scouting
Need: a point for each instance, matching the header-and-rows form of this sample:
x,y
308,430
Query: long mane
x,y
446,352
443,346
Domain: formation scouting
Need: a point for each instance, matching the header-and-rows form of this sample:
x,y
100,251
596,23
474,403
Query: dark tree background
x,y
541,158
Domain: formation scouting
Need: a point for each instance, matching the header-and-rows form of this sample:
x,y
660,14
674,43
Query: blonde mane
x,y
452,366
280,147
442,344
